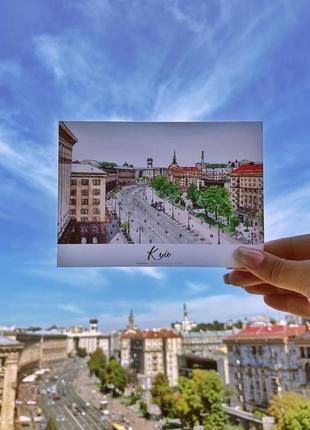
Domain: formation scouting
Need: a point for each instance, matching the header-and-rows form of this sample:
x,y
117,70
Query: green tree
x,y
162,395
114,375
193,193
97,362
234,222
143,409
51,424
291,411
216,199
199,400
81,352
107,165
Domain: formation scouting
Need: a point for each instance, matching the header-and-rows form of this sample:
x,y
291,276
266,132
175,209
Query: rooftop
x,y
250,168
85,168
7,341
269,332
151,334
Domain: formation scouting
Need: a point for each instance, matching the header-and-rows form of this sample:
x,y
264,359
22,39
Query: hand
x,y
281,273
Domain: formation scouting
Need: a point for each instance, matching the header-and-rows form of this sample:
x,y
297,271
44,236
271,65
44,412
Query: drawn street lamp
x,y
128,228
188,221
140,230
120,208
152,195
172,210
218,225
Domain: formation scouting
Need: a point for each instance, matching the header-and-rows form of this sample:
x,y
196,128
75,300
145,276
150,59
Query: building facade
x,y
263,361
52,347
87,193
9,355
246,191
66,140
150,352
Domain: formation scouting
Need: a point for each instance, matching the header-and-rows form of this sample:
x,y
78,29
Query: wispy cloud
x,y
288,214
151,272
70,307
195,287
27,160
161,314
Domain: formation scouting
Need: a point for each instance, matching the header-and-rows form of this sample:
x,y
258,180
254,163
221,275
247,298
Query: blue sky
x,y
141,60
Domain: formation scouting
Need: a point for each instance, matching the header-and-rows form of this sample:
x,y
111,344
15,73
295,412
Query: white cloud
x,y
220,307
288,214
151,272
32,163
197,287
70,307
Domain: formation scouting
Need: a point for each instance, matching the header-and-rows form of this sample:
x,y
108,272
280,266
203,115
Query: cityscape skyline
x,y
134,142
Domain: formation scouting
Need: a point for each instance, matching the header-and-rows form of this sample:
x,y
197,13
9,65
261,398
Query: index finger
x,y
290,248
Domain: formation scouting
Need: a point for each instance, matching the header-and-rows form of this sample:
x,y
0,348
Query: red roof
x,y
249,169
150,334
273,331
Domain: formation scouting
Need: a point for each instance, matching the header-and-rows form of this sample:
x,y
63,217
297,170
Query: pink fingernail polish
x,y
226,278
249,257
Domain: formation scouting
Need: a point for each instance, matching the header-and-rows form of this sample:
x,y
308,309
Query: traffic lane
x,y
157,227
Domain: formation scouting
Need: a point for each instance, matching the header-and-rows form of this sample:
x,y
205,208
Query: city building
x,y
185,325
87,193
66,140
48,348
9,355
264,361
150,171
246,191
183,176
126,175
303,346
149,352
90,339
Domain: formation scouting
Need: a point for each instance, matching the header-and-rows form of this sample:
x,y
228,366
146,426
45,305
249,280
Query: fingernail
x,y
226,278
249,257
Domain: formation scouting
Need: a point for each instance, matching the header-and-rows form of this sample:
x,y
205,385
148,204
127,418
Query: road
x,y
147,224
67,418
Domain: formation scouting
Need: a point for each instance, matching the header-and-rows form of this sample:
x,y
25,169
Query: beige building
x,y
66,140
87,193
246,190
51,347
89,340
150,352
9,356
264,361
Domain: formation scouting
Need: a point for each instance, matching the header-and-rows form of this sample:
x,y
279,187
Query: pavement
x,y
86,387
147,224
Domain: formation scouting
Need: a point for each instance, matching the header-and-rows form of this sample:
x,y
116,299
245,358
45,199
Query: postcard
x,y
158,193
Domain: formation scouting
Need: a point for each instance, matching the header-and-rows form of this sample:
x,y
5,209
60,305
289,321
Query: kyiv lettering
x,y
154,254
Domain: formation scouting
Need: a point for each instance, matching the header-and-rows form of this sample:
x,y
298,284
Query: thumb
x,y
288,274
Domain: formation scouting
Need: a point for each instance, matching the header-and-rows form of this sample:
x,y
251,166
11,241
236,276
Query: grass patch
x,y
224,228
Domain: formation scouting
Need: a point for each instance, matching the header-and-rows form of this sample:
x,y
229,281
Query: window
x,y
96,181
73,193
84,201
96,202
95,219
72,211
72,202
85,181
84,192
96,211
96,191
73,182
84,211
84,219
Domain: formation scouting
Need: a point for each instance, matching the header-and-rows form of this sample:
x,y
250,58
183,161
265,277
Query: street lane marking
x,y
83,428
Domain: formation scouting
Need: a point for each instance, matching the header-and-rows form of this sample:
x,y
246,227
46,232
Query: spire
x,y
185,312
202,157
174,159
131,321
